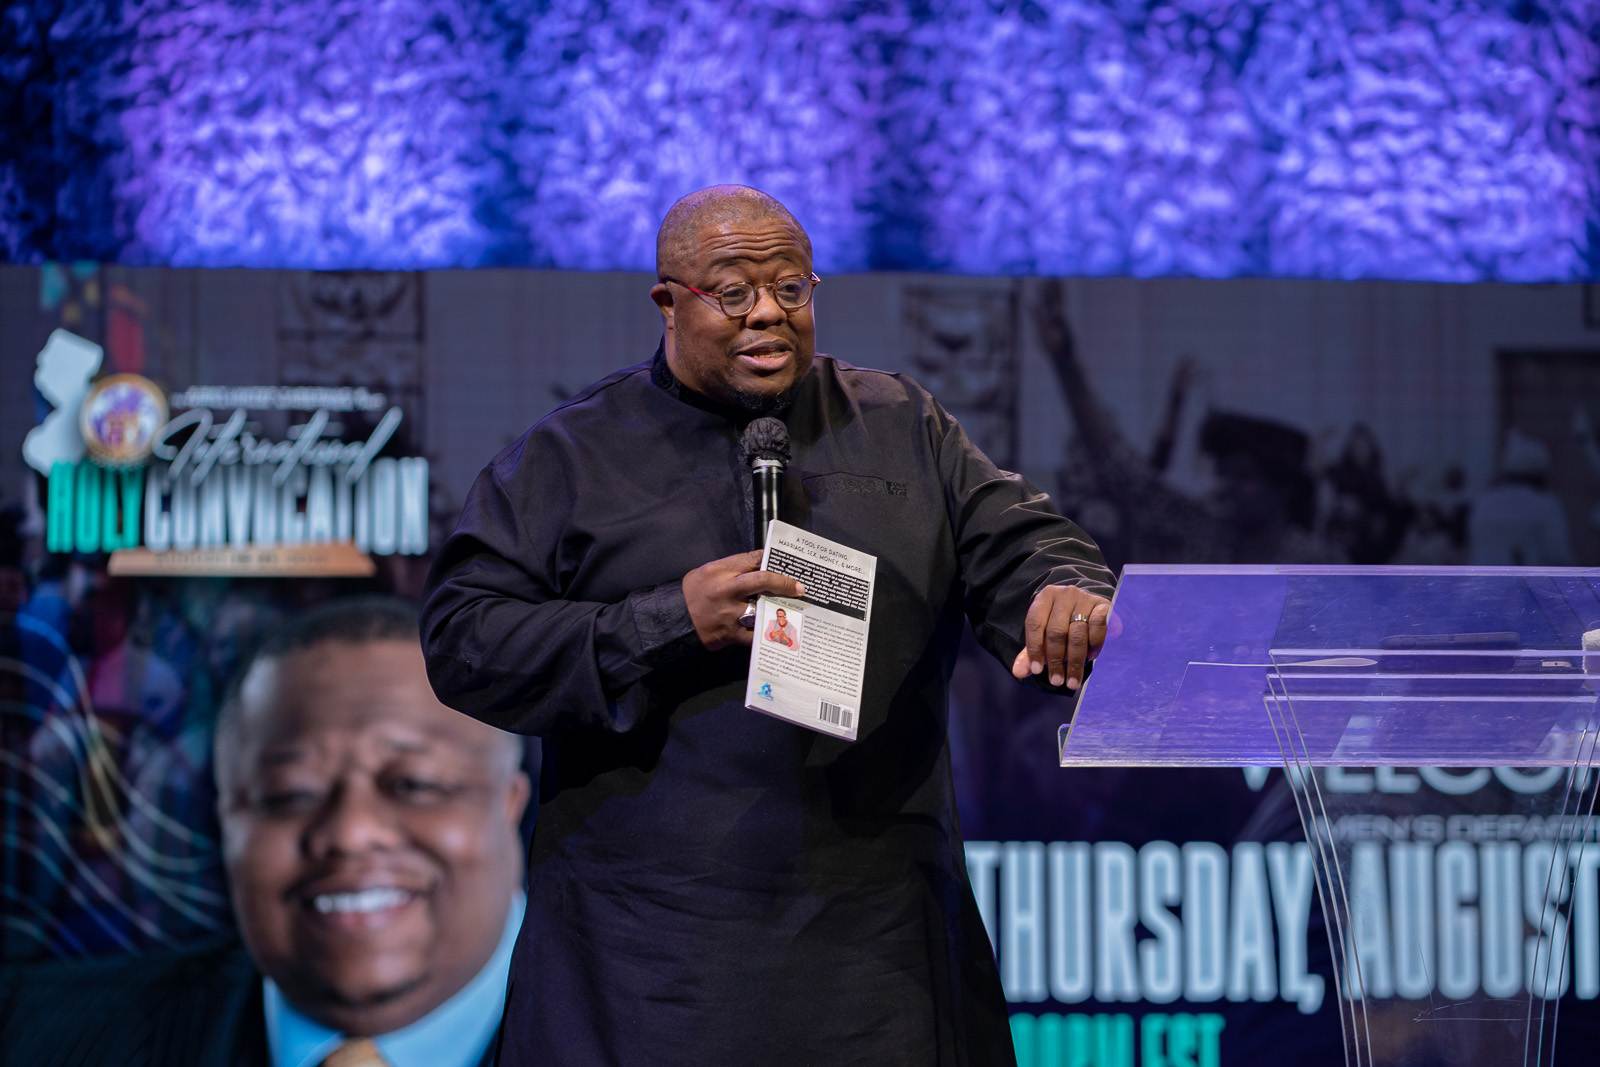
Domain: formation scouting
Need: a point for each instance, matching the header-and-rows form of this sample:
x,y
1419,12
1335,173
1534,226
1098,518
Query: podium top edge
x,y
1355,570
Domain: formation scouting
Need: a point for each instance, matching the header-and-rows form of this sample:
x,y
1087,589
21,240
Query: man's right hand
x,y
716,594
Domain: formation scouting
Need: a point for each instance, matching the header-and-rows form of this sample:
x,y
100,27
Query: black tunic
x,y
708,884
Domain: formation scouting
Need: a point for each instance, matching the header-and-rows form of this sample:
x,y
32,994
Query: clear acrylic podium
x,y
1448,895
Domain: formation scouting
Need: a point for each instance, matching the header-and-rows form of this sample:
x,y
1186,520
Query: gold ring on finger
x,y
1080,617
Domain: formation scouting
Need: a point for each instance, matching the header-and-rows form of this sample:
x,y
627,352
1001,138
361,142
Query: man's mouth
x,y
359,909
361,901
769,355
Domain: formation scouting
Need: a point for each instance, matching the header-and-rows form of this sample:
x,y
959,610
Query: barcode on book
x,y
834,714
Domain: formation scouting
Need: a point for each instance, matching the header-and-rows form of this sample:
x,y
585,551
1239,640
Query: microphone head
x,y
765,438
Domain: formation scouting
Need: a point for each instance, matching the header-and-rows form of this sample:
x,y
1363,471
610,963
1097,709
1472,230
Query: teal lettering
x,y
1025,1039
87,498
132,497
1208,1027
1076,1040
1181,1040
58,537
110,497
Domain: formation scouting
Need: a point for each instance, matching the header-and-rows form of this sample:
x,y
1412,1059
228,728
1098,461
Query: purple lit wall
x,y
1391,138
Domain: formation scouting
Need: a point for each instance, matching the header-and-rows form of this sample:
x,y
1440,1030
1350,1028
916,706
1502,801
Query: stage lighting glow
x,y
1425,139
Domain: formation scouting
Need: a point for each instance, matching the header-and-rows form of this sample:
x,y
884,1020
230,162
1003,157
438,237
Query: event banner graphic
x,y
1455,904
197,456
205,490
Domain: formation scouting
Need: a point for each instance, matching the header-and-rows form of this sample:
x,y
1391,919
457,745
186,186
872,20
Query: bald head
x,y
712,207
720,240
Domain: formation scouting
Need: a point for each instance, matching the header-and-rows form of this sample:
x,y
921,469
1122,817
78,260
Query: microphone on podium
x,y
765,447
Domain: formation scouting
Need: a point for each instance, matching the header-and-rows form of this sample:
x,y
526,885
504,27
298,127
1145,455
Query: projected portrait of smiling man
x,y
369,832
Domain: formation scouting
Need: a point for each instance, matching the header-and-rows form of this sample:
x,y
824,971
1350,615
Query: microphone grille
x,y
765,438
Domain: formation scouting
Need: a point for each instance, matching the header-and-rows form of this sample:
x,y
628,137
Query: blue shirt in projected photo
x,y
455,1034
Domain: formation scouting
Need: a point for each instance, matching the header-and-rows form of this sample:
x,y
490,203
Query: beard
x,y
718,392
758,404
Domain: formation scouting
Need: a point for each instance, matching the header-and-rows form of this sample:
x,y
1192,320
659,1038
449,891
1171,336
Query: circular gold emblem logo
x,y
120,418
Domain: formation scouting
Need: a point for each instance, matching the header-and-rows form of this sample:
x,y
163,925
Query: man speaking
x,y
708,884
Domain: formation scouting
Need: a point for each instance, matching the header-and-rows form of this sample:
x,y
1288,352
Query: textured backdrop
x,y
1428,139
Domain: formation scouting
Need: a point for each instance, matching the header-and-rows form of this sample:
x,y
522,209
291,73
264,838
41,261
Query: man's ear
x,y
662,295
517,797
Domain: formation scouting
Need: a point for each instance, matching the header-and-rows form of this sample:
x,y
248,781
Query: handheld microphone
x,y
765,447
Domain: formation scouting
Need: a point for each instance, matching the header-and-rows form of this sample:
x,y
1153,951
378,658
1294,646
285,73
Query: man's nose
x,y
356,818
767,312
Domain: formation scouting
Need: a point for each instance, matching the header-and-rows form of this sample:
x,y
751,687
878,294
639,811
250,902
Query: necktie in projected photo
x,y
358,1053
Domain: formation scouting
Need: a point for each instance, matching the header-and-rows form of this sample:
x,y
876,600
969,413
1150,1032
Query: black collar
x,y
661,377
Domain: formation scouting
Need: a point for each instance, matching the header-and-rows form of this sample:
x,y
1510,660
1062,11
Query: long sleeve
x,y
710,850
1009,539
503,643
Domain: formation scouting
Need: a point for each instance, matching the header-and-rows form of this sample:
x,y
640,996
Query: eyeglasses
x,y
792,293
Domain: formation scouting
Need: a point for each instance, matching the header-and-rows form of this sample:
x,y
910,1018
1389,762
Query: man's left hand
x,y
1065,629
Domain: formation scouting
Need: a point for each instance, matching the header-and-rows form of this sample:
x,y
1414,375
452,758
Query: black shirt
x,y
708,884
